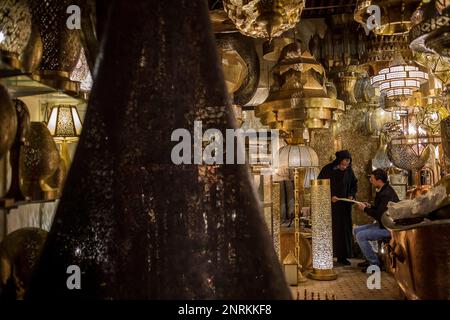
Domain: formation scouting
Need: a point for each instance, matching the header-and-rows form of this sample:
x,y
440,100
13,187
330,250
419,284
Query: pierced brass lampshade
x,y
64,125
15,30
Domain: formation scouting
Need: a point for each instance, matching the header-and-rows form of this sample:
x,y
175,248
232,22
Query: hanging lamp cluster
x,y
399,80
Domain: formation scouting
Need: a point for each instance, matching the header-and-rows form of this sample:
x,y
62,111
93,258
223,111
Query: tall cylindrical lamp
x,y
322,240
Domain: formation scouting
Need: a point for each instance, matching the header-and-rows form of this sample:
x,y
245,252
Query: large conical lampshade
x,y
137,225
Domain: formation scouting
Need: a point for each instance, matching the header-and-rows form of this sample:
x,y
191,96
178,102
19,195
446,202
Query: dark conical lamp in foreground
x,y
137,225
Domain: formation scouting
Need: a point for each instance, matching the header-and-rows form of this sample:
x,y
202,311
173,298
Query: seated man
x,y
375,231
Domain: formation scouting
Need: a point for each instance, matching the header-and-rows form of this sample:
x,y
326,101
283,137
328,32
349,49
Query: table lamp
x,y
65,126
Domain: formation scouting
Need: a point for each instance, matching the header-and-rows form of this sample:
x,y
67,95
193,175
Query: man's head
x,y
378,178
343,159
344,163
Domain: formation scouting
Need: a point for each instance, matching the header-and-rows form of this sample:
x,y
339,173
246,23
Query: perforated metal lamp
x,y
65,126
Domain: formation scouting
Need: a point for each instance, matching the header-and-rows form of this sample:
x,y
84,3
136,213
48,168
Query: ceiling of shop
x,y
313,8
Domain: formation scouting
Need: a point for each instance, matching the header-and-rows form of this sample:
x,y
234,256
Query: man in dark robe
x,y
343,185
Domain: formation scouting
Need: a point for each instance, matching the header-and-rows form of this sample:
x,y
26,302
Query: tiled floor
x,y
351,284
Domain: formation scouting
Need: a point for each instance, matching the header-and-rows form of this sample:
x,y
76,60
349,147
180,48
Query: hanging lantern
x,y
15,30
395,15
409,140
240,65
264,18
400,80
299,97
430,34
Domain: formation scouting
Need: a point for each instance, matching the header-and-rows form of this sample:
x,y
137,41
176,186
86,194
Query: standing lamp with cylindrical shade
x,y
322,240
300,158
65,126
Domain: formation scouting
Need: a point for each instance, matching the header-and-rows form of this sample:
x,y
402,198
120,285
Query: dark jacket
x,y
382,198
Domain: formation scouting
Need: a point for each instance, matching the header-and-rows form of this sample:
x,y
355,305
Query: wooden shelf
x,y
11,204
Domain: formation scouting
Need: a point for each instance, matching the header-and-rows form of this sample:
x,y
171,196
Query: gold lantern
x,y
264,18
299,97
322,240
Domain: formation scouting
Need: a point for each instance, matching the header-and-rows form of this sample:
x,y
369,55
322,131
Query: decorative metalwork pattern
x,y
322,240
405,157
264,18
298,98
147,228
61,46
430,116
276,212
81,73
15,25
430,32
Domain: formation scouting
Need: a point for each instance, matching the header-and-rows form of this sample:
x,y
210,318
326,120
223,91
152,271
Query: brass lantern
x,y
395,15
299,97
61,46
430,34
264,18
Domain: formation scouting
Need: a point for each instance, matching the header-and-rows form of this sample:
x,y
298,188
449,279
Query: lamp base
x,y
300,277
323,275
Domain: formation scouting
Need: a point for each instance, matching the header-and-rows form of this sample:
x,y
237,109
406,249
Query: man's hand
x,y
334,199
362,206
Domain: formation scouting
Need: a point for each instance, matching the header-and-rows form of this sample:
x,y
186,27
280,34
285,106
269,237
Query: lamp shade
x,y
298,156
64,122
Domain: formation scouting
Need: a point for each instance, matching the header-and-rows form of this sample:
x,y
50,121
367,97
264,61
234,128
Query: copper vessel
x,y
419,254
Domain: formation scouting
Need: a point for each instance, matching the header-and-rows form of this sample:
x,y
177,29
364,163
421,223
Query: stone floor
x,y
351,284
